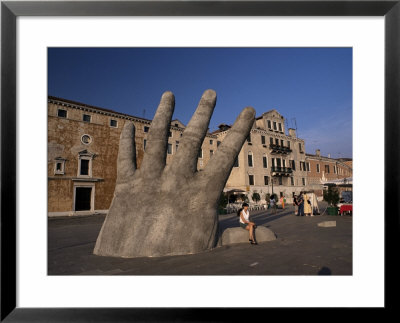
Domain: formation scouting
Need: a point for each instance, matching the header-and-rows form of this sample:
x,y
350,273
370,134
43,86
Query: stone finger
x,y
126,162
156,147
185,161
219,167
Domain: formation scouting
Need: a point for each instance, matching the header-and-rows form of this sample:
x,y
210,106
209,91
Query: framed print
x,y
369,27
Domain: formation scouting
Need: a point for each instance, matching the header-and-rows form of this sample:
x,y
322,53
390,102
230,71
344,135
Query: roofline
x,y
87,106
84,105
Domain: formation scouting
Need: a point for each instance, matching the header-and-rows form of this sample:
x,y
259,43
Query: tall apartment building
x,y
270,160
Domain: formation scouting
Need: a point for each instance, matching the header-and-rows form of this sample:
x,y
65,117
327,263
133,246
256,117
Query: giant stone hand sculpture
x,y
161,209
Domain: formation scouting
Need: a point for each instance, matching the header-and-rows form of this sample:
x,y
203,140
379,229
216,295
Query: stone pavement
x,y
301,248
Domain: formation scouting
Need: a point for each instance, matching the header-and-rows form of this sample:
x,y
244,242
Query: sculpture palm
x,y
161,209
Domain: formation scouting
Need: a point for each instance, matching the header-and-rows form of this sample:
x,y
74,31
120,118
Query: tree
x,y
161,210
255,197
267,198
331,195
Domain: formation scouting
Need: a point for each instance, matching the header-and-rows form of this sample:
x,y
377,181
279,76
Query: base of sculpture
x,y
240,235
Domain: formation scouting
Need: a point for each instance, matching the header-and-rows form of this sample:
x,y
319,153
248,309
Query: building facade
x,y
270,160
83,143
323,170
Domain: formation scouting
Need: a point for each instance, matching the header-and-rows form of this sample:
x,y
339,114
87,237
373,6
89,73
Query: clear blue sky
x,y
310,85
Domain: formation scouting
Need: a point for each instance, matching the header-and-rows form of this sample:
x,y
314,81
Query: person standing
x,y
272,203
296,205
282,200
300,202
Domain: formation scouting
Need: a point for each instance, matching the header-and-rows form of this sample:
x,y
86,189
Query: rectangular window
x,y
59,167
274,125
146,129
250,160
277,142
304,181
144,144
292,164
292,181
236,163
86,118
218,143
211,142
84,169
169,149
269,124
273,162
318,170
278,162
280,127
266,180
251,179
280,180
327,169
113,123
265,164
308,166
263,140
176,145
282,143
271,141
211,152
288,144
61,113
300,149
200,155
283,163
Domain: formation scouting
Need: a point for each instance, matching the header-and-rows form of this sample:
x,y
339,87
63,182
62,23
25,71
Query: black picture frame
x,y
10,10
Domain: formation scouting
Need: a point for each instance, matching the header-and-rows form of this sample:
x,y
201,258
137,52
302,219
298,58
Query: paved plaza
x,y
301,248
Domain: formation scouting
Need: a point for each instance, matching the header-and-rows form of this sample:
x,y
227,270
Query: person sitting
x,y
245,222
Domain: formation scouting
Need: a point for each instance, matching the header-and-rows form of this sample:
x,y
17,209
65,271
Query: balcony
x,y
278,171
277,149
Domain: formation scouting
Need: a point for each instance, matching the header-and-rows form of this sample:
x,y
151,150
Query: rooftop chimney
x,y
292,132
318,152
329,155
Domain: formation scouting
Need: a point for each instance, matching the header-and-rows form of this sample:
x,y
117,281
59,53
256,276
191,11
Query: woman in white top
x,y
245,222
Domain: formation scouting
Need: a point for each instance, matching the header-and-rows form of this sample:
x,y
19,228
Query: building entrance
x,y
83,198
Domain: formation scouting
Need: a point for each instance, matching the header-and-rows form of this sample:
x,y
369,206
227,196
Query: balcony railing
x,y
281,170
276,149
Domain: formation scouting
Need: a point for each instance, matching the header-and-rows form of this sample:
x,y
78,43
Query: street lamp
x,y
272,184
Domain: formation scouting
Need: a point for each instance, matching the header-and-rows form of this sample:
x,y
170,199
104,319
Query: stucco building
x,y
270,161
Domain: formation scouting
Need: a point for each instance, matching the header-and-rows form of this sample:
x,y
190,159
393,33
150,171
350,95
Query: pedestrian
x,y
296,205
282,200
246,224
307,205
272,203
300,202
